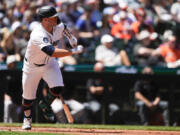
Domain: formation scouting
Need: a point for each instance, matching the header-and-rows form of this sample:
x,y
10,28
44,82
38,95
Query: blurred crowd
x,y
138,32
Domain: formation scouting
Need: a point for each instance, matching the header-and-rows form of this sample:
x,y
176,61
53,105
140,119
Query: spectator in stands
x,y
85,23
175,11
98,95
170,52
12,106
122,29
11,62
27,18
143,50
164,18
143,22
96,16
107,20
148,100
160,7
8,44
129,9
65,15
90,22
109,55
9,18
110,10
2,55
17,30
23,42
75,10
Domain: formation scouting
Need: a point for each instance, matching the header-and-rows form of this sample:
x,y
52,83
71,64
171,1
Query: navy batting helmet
x,y
46,12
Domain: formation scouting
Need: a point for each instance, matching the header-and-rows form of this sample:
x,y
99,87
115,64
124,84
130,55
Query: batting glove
x,y
77,50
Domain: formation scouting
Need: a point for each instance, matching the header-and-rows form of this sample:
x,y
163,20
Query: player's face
x,y
108,44
52,21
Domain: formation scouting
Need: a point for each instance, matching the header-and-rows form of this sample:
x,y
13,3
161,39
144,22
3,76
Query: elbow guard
x,y
49,50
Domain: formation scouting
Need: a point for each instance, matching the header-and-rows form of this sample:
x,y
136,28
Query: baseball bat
x,y
66,110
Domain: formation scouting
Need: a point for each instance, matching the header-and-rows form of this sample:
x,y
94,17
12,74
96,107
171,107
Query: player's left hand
x,y
77,50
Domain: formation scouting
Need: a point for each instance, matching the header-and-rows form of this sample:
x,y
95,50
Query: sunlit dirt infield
x,y
77,131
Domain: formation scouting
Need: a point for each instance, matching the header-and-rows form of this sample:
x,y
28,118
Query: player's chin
x,y
54,25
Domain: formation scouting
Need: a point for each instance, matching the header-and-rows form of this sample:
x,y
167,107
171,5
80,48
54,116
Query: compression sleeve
x,y
49,50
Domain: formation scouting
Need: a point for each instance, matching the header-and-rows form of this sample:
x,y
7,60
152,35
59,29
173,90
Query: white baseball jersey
x,y
38,64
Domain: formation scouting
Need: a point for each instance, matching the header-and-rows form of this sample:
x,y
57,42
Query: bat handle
x,y
62,100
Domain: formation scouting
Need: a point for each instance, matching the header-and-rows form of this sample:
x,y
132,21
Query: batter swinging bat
x,y
66,110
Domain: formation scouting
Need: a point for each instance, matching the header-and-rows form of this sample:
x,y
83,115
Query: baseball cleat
x,y
27,124
47,111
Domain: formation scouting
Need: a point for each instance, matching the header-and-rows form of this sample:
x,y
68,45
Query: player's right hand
x,y
77,50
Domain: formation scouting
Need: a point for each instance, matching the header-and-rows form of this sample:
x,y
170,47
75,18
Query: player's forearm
x,y
96,89
99,88
56,52
156,101
145,51
61,53
139,96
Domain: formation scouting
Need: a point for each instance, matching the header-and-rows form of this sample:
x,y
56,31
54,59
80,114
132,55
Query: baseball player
x,y
40,62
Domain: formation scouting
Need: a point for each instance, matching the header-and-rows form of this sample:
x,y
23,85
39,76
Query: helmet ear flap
x,y
58,20
40,18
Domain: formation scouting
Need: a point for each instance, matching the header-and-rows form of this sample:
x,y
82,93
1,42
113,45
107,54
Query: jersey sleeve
x,y
43,42
40,40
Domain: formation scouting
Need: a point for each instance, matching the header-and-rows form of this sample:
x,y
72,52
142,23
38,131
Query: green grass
x,y
86,126
28,133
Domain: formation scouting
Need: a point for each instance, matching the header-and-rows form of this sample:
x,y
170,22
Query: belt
x,y
38,65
